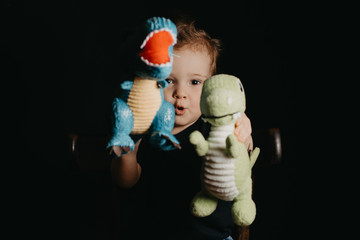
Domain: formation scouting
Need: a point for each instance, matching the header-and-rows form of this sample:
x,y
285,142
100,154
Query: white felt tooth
x,y
168,64
169,31
173,35
146,61
147,39
144,42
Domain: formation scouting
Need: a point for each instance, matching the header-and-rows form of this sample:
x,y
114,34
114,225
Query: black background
x,y
63,58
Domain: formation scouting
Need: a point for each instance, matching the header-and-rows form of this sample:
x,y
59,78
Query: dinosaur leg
x,y
203,205
161,127
244,209
122,126
243,212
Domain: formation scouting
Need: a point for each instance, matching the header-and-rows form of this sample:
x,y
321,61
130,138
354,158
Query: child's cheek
x,y
168,95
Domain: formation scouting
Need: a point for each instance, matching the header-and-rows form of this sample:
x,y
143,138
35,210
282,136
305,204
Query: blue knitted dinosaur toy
x,y
141,109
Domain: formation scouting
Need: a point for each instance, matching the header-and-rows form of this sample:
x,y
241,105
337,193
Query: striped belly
x,y
144,101
219,169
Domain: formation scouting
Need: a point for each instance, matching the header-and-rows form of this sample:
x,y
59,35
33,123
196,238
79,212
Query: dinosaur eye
x,y
241,87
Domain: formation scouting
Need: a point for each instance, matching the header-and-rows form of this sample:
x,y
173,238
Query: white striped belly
x,y
219,169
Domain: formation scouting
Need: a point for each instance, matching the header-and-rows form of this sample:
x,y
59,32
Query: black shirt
x,y
160,201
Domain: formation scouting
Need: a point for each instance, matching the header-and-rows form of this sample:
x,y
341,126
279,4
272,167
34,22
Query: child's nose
x,y
179,93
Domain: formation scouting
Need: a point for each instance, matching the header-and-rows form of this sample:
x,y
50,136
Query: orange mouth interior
x,y
156,49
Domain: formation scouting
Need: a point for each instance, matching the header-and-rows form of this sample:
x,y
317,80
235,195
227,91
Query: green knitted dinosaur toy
x,y
226,168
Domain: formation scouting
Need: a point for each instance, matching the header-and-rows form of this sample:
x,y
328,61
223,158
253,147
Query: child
x,y
161,184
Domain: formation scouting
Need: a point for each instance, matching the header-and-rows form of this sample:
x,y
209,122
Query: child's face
x,y
190,69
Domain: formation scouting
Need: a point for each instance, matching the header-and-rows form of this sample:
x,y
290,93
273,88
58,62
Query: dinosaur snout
x,y
220,102
222,99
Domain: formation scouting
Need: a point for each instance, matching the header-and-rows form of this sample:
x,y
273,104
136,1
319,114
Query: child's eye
x,y
195,82
170,81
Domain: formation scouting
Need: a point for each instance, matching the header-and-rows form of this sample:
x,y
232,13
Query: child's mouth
x,y
179,110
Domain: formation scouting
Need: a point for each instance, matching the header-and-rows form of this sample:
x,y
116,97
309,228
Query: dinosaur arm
x,y
126,85
201,145
233,146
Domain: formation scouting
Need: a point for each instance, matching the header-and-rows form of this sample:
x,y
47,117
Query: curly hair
x,y
198,40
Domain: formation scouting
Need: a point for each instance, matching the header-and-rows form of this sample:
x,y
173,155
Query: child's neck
x,y
179,128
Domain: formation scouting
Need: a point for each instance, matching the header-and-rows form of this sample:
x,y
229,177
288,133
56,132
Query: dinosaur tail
x,y
254,155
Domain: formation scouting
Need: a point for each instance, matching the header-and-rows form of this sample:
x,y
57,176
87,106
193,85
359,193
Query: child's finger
x,y
242,135
243,128
118,151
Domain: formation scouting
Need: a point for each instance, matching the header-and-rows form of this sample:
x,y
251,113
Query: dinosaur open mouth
x,y
234,115
155,48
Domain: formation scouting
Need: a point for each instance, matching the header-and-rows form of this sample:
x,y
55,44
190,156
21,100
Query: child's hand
x,y
243,130
118,151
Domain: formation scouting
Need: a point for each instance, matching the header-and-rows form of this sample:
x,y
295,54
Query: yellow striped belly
x,y
144,101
